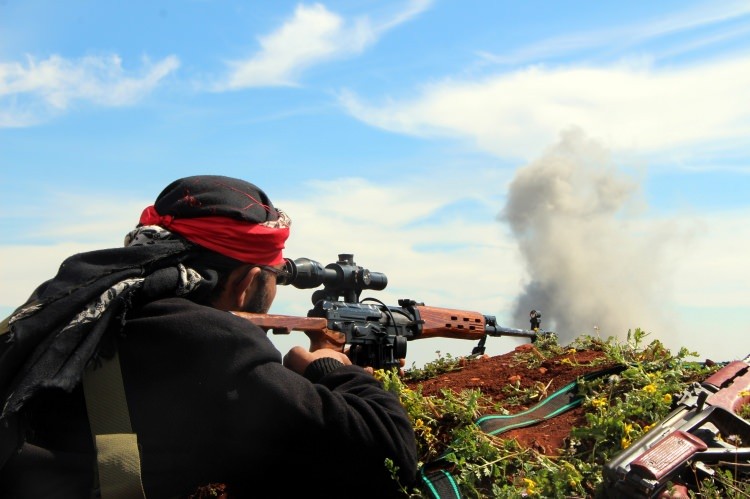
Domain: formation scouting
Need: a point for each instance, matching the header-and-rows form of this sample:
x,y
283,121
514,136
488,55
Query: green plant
x,y
744,411
442,364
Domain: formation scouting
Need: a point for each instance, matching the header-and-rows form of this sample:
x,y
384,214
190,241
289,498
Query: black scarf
x,y
48,342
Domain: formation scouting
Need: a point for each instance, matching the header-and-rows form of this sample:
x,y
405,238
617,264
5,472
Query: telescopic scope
x,y
343,277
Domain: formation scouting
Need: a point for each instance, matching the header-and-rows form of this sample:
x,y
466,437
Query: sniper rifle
x,y
376,333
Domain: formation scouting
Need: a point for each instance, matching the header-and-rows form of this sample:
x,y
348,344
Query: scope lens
x,y
287,274
305,273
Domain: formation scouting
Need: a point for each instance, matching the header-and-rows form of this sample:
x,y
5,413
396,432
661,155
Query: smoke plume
x,y
593,266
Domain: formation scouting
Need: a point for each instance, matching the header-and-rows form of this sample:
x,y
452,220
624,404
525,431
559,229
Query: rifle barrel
x,y
509,331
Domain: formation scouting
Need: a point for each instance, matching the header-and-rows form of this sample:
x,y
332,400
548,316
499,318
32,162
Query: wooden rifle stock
x,y
284,324
316,328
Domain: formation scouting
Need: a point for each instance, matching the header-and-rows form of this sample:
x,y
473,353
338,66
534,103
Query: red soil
x,y
492,376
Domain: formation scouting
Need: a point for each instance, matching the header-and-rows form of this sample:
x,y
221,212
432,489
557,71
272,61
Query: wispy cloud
x,y
629,106
33,90
703,16
311,36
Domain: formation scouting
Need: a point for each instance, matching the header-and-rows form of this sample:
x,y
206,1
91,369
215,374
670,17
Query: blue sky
x,y
589,159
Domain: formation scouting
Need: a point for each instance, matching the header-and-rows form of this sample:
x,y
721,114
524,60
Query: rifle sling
x,y
117,456
563,400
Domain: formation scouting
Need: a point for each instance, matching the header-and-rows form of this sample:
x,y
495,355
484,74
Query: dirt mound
x,y
524,370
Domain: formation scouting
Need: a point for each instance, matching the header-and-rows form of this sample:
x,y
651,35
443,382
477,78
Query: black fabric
x,y
11,438
57,459
40,349
320,367
215,195
211,402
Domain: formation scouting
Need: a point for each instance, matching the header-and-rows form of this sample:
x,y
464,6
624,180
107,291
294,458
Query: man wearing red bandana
x,y
205,396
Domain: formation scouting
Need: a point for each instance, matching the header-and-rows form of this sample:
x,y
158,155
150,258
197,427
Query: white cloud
x,y
313,35
24,267
32,91
54,226
630,107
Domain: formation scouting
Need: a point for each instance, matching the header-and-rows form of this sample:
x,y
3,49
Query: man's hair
x,y
213,267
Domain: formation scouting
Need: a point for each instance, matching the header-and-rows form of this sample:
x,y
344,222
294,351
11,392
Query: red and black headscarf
x,y
229,216
197,228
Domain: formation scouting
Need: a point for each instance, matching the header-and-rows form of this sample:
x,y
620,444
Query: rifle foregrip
x,y
450,323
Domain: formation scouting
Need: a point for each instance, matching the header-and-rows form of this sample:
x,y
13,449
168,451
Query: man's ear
x,y
240,280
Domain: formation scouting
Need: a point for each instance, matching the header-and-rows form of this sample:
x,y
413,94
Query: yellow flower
x,y
529,485
648,427
650,388
624,443
599,402
628,428
667,398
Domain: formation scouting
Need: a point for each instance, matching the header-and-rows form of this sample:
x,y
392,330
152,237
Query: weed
x,y
442,364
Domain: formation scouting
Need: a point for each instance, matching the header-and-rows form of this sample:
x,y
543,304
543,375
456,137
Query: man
x,y
206,394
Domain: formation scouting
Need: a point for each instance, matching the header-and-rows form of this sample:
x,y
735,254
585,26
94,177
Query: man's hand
x,y
297,359
326,339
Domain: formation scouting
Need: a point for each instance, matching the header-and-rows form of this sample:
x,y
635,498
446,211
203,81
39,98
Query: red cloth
x,y
243,241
